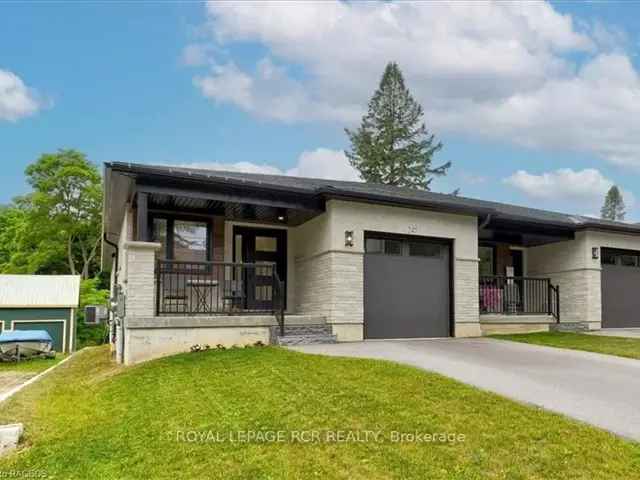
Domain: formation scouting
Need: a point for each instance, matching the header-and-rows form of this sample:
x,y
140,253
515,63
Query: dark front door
x,y
260,246
406,287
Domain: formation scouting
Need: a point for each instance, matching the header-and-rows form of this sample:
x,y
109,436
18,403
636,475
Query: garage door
x,y
620,288
406,287
55,329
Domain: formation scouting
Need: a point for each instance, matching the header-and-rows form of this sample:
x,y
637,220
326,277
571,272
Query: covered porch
x,y
222,252
516,290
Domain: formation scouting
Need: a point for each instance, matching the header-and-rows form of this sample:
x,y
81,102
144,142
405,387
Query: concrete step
x,y
569,327
307,329
305,339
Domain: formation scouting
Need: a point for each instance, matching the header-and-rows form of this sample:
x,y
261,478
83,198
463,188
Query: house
x,y
41,302
208,257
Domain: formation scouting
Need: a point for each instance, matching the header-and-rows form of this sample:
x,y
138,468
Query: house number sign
x,y
413,228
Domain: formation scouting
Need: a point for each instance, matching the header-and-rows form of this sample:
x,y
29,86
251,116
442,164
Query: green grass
x,y
619,346
35,365
93,419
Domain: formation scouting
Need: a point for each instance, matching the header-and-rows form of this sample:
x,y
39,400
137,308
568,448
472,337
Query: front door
x,y
260,246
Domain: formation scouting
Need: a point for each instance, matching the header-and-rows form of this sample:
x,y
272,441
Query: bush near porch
x,y
93,419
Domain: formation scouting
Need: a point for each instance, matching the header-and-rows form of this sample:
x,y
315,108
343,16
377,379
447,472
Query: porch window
x,y
486,261
190,241
182,240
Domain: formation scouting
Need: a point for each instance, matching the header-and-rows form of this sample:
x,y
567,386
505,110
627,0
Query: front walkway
x,y
602,390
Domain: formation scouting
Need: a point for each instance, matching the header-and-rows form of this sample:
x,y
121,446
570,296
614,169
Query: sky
x,y
536,103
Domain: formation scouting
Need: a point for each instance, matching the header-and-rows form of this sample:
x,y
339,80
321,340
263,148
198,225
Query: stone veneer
x,y
466,298
331,284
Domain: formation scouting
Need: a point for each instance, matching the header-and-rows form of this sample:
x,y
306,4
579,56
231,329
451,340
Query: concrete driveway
x,y
598,389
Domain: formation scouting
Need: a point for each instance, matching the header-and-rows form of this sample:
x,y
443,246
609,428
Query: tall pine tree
x,y
613,208
392,145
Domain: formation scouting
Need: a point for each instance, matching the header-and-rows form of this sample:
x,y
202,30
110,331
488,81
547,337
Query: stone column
x,y
140,281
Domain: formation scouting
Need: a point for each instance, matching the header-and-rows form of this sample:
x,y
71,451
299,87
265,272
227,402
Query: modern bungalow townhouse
x,y
210,257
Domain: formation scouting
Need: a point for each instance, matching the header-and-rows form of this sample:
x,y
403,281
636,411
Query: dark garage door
x,y
620,288
406,287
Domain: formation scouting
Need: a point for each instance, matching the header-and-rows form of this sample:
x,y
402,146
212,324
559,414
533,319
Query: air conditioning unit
x,y
95,314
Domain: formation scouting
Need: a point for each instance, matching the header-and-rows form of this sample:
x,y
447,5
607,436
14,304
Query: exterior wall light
x,y
348,238
595,253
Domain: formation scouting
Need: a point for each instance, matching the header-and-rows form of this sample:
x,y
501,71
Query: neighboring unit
x,y
208,257
41,302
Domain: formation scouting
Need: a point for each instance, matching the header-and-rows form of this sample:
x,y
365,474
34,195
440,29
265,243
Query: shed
x,y
41,302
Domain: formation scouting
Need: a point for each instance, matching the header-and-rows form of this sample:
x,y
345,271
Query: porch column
x,y
140,282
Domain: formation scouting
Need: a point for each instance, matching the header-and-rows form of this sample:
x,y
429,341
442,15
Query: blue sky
x,y
537,104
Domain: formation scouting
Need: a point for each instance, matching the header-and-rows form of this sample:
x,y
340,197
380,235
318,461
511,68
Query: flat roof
x,y
370,192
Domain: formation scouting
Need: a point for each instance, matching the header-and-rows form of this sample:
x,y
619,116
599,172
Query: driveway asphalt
x,y
618,332
602,390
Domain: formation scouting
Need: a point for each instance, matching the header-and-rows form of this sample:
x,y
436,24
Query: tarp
x,y
25,336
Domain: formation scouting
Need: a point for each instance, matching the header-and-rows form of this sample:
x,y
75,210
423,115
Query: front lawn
x,y
93,419
620,346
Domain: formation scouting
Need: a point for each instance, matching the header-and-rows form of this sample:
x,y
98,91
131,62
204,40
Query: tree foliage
x,y
613,208
56,227
93,291
392,145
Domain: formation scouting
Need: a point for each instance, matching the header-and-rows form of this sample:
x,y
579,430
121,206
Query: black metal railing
x,y
519,296
197,288
279,303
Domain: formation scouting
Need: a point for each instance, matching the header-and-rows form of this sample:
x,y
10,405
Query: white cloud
x,y
500,70
268,92
227,84
570,190
324,163
16,99
318,163
195,54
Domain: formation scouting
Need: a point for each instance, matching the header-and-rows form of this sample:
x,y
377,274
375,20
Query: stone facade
x,y
570,264
140,281
326,277
466,298
331,284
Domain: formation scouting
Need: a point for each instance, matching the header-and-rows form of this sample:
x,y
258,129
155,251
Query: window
x,y
624,258
266,244
393,247
404,247
608,257
423,249
182,240
486,261
374,245
189,241
629,260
